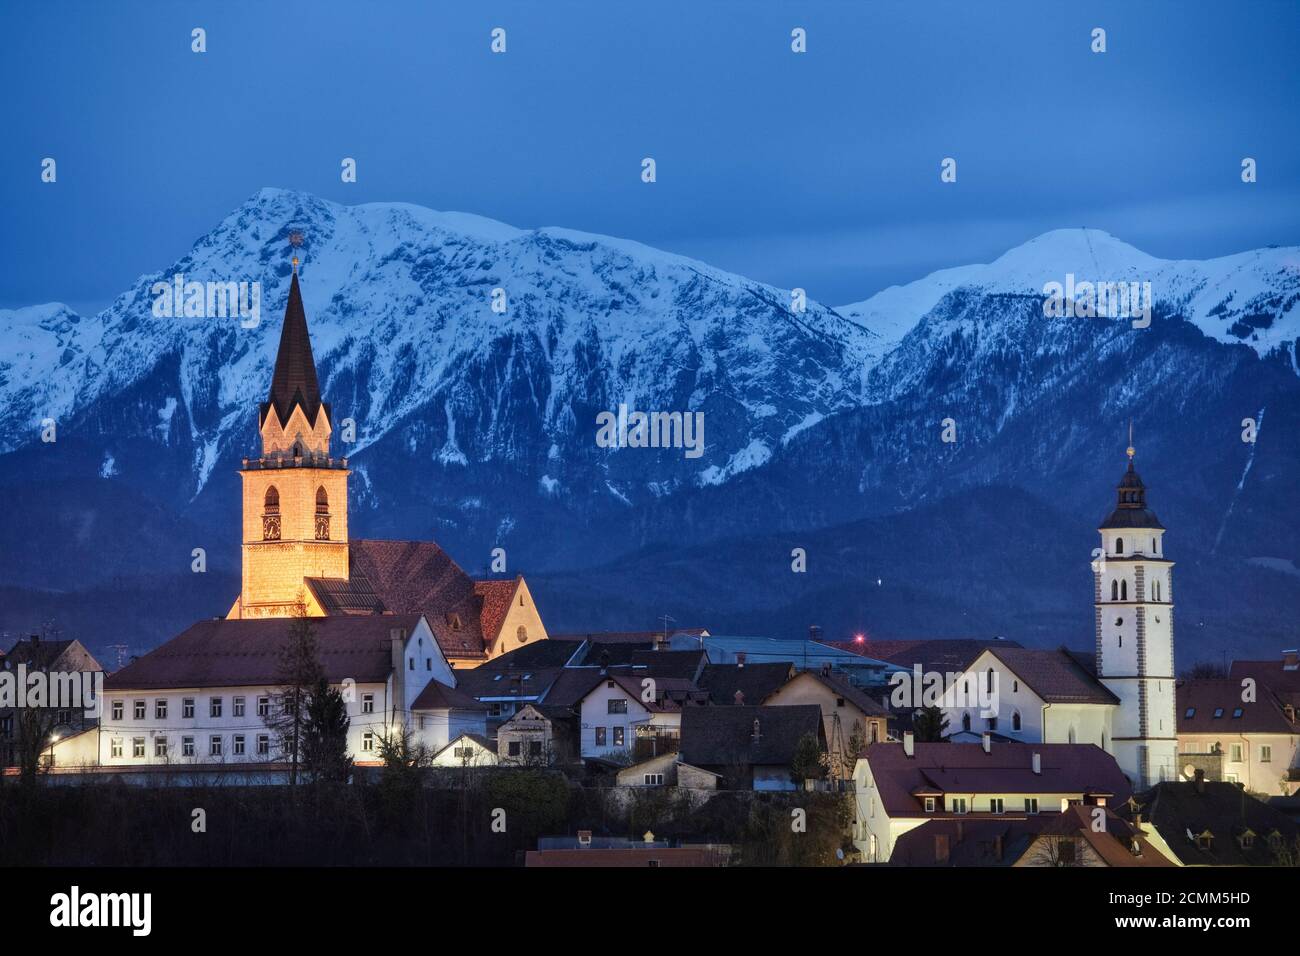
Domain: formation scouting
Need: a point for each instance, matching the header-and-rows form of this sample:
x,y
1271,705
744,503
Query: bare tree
x,y
300,673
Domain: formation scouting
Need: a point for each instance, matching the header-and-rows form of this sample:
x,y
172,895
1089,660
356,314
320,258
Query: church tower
x,y
1132,594
295,495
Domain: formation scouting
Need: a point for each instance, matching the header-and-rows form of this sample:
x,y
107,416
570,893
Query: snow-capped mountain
x,y
477,426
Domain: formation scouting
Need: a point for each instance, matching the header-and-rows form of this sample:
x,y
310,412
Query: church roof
x,y
418,577
1131,509
294,380
1058,677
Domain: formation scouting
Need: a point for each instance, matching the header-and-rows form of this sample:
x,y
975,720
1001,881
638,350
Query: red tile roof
x,y
225,653
495,598
418,577
967,769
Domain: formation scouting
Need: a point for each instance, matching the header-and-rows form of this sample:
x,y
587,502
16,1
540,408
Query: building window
x,y
214,746
1218,712
618,736
995,805
411,664
237,707
367,703
271,515
957,804
1031,804
264,707
600,736
1235,752
115,747
1123,590
990,723
513,748
137,746
187,708
929,804
160,746
214,707
187,746
263,745
965,721
1236,713
368,742
1114,590
1066,852
1119,545
521,633
1015,720
617,705
117,710
534,748
138,709
160,708
654,779
237,745
1265,753
322,501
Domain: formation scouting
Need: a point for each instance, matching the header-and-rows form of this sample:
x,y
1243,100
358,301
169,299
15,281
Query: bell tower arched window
x,y
1123,590
271,515
1114,590
322,515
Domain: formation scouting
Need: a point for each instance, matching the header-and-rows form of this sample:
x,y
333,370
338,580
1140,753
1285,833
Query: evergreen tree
x,y
325,735
300,673
930,725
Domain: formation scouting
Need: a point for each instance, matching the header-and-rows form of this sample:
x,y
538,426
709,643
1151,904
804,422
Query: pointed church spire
x,y
294,381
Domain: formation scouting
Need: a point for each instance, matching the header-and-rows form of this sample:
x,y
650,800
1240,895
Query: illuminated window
x,y
137,746
368,742
115,747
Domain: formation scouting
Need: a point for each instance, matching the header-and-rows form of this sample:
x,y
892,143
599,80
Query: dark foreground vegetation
x,y
484,818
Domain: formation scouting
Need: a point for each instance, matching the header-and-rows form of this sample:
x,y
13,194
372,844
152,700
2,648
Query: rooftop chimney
x,y
1038,763
1200,780
757,734
814,633
986,739
909,743
740,658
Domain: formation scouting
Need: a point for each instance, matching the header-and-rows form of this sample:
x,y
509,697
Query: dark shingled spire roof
x,y
1131,510
294,381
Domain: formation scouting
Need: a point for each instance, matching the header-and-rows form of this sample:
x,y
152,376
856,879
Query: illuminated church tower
x,y
1135,634
295,495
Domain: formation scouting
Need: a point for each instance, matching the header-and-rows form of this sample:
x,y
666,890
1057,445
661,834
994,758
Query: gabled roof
x,y
476,738
438,696
671,693
533,655
837,685
1201,699
725,736
494,597
507,684
293,382
1058,677
754,681
1225,811
1007,769
418,577
238,653
1277,675
39,654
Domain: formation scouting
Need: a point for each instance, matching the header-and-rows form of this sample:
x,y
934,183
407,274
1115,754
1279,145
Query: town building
x,y
1236,734
749,747
899,788
1213,823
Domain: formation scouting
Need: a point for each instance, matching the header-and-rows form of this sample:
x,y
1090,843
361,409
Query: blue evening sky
x,y
818,170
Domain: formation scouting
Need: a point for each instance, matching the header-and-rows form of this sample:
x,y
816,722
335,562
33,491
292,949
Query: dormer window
x,y
453,619
297,449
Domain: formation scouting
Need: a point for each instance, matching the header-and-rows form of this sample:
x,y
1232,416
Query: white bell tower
x,y
1132,593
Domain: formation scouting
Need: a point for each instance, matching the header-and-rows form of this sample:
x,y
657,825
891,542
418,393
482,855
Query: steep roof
x,y
418,577
725,736
1226,811
1199,701
293,382
226,653
754,681
1008,768
1279,675
494,600
39,654
1058,677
